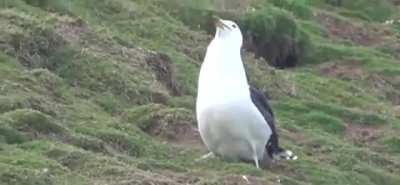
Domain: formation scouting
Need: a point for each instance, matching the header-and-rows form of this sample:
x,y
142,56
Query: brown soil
x,y
362,133
177,128
349,70
168,177
128,176
396,2
397,111
376,35
385,87
354,31
161,66
296,136
71,29
244,180
181,134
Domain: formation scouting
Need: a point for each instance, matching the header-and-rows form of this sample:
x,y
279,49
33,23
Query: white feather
x,y
229,123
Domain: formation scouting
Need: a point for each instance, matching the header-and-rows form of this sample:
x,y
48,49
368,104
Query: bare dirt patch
x,y
362,134
178,132
245,180
171,125
397,111
71,29
377,35
385,87
396,2
350,70
296,136
167,177
129,175
164,70
354,31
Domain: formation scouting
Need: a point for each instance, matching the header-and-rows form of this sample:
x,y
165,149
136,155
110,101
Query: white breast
x,y
231,130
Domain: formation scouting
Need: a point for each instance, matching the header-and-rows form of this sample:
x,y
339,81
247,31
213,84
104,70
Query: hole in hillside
x,y
165,72
280,53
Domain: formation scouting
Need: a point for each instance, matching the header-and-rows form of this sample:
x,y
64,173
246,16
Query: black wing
x,y
260,101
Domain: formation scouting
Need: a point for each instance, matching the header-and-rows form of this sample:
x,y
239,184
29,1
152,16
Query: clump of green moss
x,y
79,70
140,115
378,176
375,10
328,123
130,145
34,49
371,10
91,144
19,176
393,144
10,135
8,103
299,8
34,122
275,36
53,84
350,115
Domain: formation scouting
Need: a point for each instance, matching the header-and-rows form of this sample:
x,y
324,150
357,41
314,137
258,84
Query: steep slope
x,y
102,91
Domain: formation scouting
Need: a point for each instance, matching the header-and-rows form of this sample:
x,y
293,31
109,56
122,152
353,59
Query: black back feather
x,y
260,101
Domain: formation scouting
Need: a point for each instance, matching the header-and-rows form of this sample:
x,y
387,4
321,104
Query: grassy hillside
x,y
103,91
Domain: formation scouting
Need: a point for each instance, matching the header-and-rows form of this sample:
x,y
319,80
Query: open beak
x,y
220,24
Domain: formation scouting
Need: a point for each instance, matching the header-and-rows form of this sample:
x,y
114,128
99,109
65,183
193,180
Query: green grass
x,y
82,103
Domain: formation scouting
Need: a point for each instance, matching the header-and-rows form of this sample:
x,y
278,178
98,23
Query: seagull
x,y
234,119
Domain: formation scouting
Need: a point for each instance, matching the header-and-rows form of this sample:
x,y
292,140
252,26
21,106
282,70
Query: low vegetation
x,y
103,91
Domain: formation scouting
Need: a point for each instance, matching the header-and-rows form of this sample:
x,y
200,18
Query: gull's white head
x,y
228,32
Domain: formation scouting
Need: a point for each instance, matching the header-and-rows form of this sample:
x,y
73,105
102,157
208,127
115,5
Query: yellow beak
x,y
220,24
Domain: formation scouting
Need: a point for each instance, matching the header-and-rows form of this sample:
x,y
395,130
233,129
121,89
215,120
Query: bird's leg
x,y
256,161
255,157
206,156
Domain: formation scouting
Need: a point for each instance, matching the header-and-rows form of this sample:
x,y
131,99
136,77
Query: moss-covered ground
x,y
103,91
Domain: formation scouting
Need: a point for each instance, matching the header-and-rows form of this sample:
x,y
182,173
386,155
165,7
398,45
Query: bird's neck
x,y
223,67
227,59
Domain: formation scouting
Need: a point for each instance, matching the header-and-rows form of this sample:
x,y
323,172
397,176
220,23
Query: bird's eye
x,y
234,26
